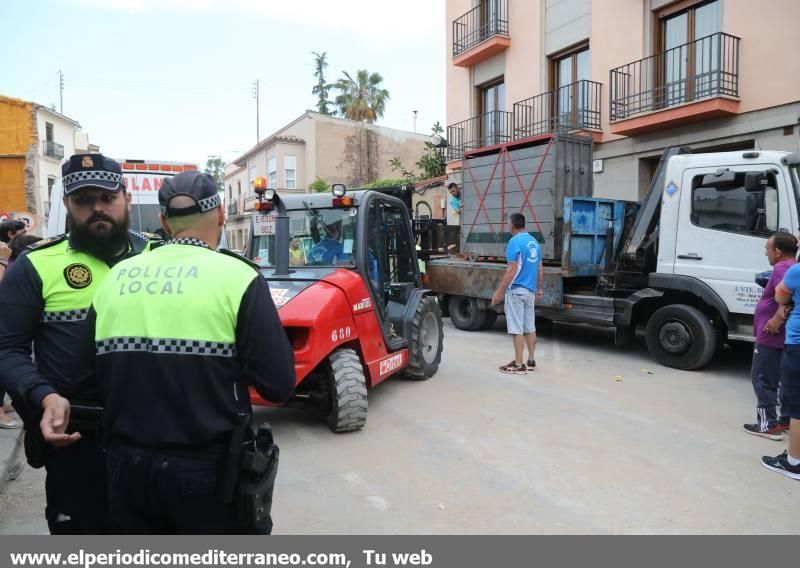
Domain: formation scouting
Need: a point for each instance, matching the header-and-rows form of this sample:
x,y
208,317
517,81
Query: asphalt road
x,y
598,439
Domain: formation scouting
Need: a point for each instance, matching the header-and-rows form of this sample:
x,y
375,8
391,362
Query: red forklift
x,y
343,272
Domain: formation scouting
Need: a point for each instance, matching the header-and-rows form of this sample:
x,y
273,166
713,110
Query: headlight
x,y
338,189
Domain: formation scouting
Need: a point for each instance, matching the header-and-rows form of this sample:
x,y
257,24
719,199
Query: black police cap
x,y
91,170
200,187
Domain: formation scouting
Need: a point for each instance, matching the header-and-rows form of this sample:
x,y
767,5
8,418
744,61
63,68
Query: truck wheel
x,y
491,317
426,342
348,387
465,313
681,337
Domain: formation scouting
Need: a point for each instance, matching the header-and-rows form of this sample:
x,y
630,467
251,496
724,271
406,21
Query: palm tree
x,y
322,88
361,98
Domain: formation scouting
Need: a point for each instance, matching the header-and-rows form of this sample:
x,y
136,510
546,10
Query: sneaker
x,y
531,364
774,433
780,464
784,424
513,369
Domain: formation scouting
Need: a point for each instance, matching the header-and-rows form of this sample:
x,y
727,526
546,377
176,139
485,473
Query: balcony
x,y
488,129
688,83
480,33
233,207
572,107
52,150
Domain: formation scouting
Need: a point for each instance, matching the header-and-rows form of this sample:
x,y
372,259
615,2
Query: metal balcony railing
x,y
489,18
52,150
573,107
477,132
233,207
705,68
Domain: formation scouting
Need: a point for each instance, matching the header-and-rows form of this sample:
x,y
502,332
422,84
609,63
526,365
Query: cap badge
x,y
78,276
87,162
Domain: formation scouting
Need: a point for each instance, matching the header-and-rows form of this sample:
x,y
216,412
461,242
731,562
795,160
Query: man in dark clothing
x,y
44,300
770,334
181,335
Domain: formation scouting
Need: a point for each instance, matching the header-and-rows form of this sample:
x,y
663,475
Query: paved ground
x,y
567,449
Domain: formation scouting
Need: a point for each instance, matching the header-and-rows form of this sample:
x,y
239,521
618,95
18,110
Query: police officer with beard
x,y
44,300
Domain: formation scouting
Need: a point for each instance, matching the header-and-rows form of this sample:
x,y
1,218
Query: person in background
x,y
11,228
770,334
520,287
456,202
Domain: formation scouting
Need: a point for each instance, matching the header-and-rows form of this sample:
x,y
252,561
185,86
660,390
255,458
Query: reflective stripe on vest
x,y
179,299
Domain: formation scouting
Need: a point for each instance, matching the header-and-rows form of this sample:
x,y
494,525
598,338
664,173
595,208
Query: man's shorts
x,y
519,304
790,382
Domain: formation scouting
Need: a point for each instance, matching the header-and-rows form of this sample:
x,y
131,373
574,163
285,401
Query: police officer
x,y
181,334
44,300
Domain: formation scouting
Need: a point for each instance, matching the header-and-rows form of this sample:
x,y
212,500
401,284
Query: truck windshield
x,y
317,237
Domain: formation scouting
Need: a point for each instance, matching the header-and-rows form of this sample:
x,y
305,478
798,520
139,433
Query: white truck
x,y
681,264
142,180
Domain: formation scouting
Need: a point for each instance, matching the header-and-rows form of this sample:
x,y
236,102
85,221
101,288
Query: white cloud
x,y
390,22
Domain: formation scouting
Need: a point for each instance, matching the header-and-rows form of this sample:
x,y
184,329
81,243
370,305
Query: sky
x,y
173,79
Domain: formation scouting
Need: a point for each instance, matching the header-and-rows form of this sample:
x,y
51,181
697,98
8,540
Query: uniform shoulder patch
x,y
247,261
45,243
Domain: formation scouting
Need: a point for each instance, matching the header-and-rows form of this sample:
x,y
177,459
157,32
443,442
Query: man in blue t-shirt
x,y
328,250
788,291
521,285
456,202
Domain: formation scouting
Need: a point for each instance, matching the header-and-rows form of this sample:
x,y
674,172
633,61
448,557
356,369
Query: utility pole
x,y
415,121
61,89
256,89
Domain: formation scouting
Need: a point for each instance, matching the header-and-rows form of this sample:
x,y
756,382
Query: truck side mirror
x,y
771,208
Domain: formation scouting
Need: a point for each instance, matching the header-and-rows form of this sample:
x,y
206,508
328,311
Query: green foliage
x,y
387,182
215,167
362,98
432,163
397,166
322,88
319,185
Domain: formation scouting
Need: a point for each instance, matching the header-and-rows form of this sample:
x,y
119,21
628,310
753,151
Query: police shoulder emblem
x,y
78,275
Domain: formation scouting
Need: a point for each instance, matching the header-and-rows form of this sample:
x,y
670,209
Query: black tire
x,y
465,313
426,341
681,337
491,317
348,387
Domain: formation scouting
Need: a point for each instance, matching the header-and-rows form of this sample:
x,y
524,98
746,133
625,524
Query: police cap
x,y
91,170
200,187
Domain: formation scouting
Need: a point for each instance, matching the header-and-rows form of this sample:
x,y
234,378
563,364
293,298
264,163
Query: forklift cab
x,y
387,262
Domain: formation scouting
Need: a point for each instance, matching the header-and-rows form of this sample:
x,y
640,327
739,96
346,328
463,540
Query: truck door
x,y
726,216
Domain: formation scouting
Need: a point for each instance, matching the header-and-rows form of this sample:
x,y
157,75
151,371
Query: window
x,y
741,202
290,163
51,180
571,98
272,173
492,103
684,33
48,131
239,189
251,177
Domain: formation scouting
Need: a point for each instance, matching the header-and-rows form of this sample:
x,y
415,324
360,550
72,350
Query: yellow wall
x,y
17,133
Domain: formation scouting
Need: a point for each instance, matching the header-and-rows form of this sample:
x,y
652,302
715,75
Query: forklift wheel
x,y
465,313
348,392
427,338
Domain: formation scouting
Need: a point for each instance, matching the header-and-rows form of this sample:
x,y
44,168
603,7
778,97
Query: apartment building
x,y
311,146
635,75
34,140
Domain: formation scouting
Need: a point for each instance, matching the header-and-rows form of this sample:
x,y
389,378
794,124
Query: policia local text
x,y
163,280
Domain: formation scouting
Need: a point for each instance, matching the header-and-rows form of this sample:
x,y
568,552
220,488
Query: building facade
x,y
34,140
635,75
314,146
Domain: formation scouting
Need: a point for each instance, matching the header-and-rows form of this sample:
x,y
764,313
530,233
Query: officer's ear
x,y
220,216
127,197
163,221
